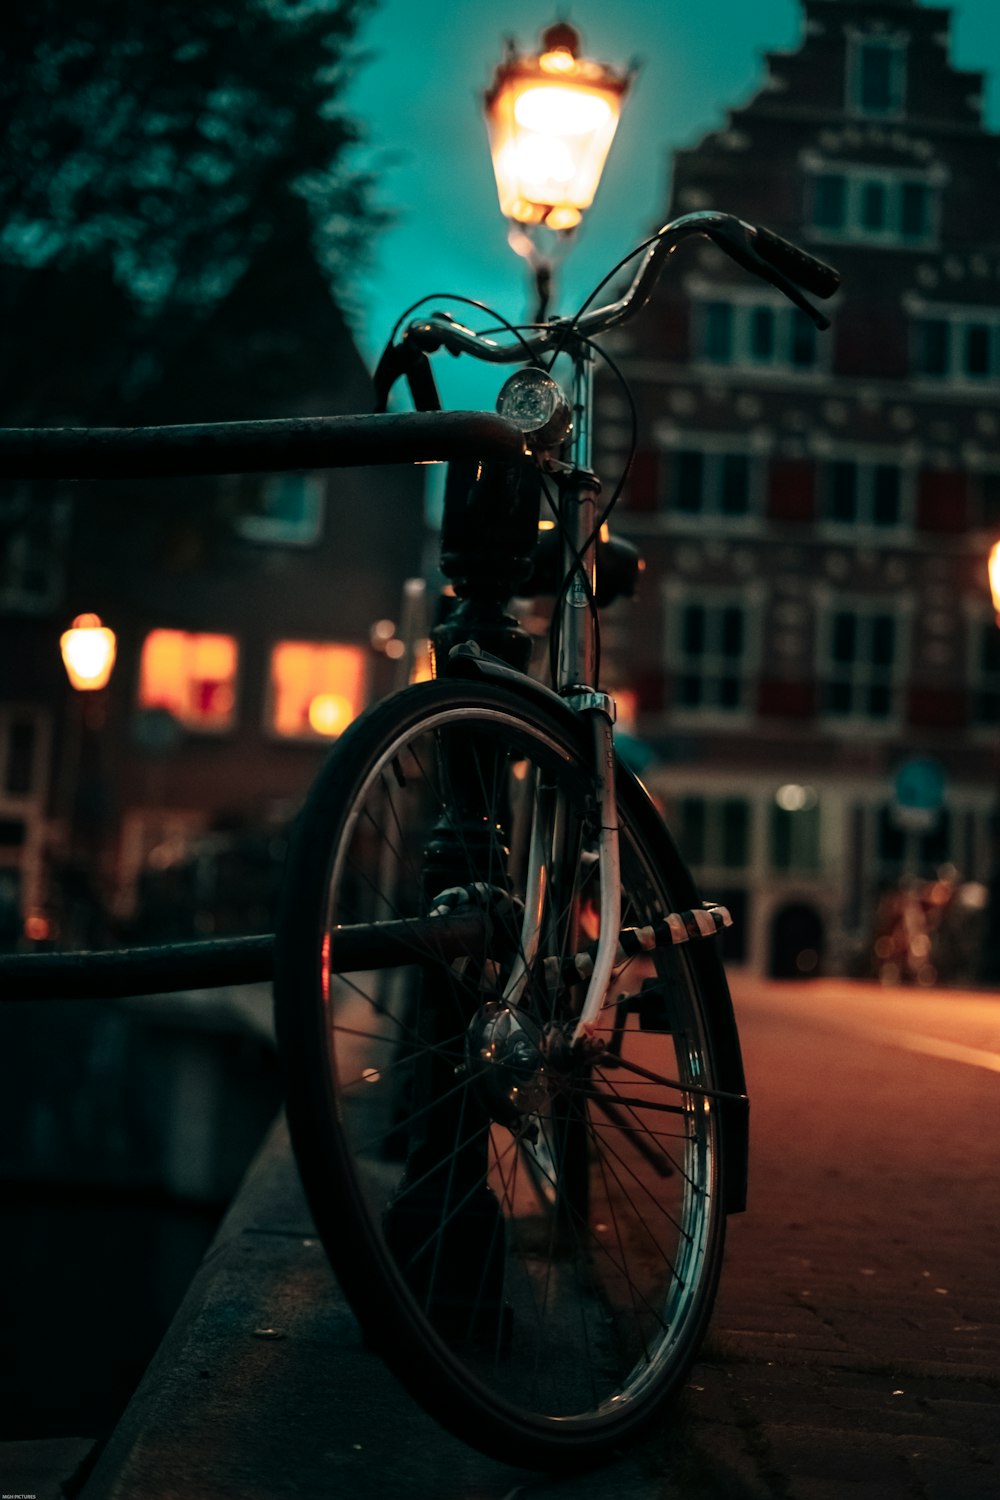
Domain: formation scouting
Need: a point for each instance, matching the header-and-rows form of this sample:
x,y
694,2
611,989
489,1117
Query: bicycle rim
x,y
531,1237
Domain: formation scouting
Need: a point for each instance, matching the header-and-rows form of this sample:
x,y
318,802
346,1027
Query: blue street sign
x,y
920,784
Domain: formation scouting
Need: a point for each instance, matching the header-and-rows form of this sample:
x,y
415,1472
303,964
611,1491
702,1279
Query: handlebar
x,y
425,436
756,249
812,274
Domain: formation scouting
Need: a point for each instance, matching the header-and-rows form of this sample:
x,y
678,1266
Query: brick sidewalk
x,y
854,1353
264,1391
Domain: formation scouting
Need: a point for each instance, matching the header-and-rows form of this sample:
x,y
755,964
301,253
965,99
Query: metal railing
x,y
238,448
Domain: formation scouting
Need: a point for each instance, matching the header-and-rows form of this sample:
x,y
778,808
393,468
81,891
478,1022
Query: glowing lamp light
x,y
88,652
330,713
994,567
551,120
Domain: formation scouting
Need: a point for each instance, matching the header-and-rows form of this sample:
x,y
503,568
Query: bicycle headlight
x,y
535,403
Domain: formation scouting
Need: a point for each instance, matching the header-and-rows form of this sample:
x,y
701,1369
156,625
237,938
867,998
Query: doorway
x,y
796,942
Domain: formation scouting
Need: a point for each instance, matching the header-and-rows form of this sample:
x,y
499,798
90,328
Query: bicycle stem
x,y
579,489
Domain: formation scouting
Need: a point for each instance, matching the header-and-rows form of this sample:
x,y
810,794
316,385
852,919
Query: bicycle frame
x,y
475,1060
525,1197
757,250
426,436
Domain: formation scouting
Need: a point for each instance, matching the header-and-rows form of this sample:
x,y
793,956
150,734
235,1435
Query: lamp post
x,y
88,649
551,117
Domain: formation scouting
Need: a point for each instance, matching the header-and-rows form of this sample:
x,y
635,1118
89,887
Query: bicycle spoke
x,y
544,1213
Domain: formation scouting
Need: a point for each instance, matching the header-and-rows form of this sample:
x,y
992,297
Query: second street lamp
x,y
989,957
88,652
994,573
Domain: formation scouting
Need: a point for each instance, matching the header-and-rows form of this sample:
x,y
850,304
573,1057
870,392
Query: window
x,y
192,676
23,753
874,205
986,673
717,337
960,346
711,484
795,829
35,537
914,210
758,334
317,688
22,746
877,206
803,348
986,492
286,508
862,494
762,334
859,673
710,656
714,832
902,851
829,201
933,346
876,76
713,835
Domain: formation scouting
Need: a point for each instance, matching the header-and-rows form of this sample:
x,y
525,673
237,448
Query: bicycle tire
x,y
561,1291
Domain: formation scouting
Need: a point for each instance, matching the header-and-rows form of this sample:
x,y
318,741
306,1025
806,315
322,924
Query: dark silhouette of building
x,y
814,659
254,617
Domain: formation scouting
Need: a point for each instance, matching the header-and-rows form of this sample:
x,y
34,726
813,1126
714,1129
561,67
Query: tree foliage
x,y
149,156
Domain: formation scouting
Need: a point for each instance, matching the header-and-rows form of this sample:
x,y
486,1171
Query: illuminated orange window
x,y
627,705
316,689
194,676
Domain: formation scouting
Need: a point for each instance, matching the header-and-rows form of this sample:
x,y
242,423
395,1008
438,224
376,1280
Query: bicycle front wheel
x,y
529,1232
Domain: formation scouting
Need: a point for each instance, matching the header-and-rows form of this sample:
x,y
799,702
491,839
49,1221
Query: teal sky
x,y
418,97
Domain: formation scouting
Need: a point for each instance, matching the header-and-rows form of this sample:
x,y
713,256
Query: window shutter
x,y
792,490
643,481
941,500
649,692
786,700
940,708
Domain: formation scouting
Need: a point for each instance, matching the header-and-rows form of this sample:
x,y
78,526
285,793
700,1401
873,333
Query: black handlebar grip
x,y
805,270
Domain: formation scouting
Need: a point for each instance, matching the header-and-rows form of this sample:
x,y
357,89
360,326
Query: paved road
x,y
855,1351
857,1337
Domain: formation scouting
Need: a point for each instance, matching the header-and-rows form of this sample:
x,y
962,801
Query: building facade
x,y
814,663
254,617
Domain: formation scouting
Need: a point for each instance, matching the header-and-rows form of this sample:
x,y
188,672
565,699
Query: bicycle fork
x,y
576,672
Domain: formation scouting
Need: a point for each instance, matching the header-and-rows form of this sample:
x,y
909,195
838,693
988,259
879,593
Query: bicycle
x,y
513,1076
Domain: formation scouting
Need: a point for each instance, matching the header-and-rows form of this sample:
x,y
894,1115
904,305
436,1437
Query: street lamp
x,y
551,117
989,959
994,572
88,652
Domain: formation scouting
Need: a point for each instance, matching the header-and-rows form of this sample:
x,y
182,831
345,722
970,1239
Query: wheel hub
x,y
506,1059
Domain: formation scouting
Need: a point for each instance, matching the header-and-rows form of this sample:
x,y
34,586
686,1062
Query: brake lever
x,y
793,294
734,237
406,359
425,339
